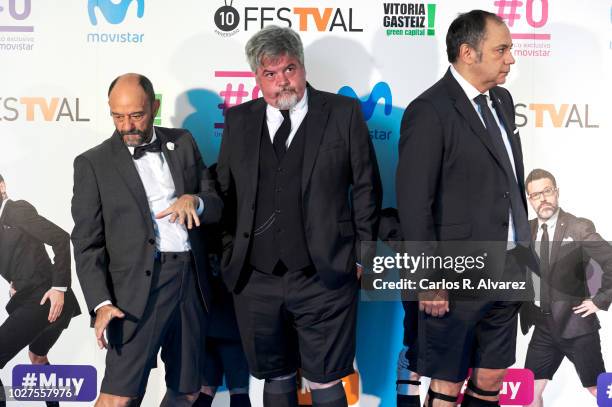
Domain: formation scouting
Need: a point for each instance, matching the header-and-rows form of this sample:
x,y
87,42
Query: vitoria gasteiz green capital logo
x,y
409,19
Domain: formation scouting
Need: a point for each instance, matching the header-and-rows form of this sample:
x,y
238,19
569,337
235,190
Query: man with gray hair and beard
x,y
301,189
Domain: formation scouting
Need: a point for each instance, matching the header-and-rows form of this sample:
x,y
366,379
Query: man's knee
x,y
488,379
317,386
446,387
110,400
37,359
209,390
172,395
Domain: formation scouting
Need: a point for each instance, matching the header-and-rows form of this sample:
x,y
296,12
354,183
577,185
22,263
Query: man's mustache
x,y
288,89
543,206
134,131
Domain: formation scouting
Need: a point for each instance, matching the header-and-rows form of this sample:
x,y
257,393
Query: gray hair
x,y
273,42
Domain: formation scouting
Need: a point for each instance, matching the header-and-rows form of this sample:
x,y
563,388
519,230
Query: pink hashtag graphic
x,y
229,93
231,96
511,15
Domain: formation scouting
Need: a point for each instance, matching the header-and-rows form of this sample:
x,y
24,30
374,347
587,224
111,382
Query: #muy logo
x,y
114,13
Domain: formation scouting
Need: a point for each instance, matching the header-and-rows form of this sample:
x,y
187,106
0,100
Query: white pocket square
x,y
567,240
515,131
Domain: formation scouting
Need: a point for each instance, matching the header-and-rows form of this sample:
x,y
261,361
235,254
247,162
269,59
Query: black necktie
x,y
519,213
281,136
544,270
154,147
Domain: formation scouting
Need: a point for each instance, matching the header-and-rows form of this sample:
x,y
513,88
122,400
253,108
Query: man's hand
x,y
12,290
57,303
185,209
434,303
586,308
104,315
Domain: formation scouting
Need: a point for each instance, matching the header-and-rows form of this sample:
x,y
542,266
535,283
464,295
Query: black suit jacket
x,y
574,244
450,183
113,236
24,260
340,185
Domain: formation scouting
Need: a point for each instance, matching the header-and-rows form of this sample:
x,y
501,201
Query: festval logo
x,y
114,13
227,18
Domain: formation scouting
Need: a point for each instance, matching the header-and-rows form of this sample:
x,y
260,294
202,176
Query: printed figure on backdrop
x,y
460,179
41,302
139,200
301,188
225,358
565,319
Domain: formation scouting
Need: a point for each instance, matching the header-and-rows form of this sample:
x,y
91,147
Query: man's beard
x,y
548,209
287,99
134,142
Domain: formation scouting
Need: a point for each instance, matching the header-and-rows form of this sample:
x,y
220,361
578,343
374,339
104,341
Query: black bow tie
x,y
154,147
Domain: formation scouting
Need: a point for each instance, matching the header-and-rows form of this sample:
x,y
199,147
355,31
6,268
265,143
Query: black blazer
x,y
574,244
339,160
24,260
113,236
450,183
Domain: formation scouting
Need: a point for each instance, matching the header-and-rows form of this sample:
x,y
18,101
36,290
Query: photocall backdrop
x,y
58,59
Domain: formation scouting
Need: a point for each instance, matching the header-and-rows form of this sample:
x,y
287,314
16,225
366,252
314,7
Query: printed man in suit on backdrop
x,y
565,319
42,302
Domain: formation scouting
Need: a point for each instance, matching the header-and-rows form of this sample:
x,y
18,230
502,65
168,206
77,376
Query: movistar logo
x,y
113,13
380,91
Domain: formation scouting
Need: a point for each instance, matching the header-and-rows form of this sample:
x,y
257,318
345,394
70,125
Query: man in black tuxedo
x,y
459,178
565,320
139,198
301,186
42,302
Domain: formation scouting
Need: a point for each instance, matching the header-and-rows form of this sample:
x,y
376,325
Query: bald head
x,y
131,99
142,81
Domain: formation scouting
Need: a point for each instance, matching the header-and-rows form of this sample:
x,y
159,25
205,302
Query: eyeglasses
x,y
547,193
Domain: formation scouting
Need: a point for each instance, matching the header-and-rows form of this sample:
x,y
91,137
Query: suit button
x,y
506,194
279,169
151,241
148,272
245,235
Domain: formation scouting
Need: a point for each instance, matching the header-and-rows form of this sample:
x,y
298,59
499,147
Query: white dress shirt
x,y
471,92
551,224
62,289
274,118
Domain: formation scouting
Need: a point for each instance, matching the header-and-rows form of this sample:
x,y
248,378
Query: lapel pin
x,y
170,146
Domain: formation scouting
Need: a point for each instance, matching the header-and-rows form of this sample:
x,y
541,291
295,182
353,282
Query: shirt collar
x,y
550,222
2,206
153,138
467,87
272,111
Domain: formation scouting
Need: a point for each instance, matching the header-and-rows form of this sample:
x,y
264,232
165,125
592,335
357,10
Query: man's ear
x,y
467,54
155,107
